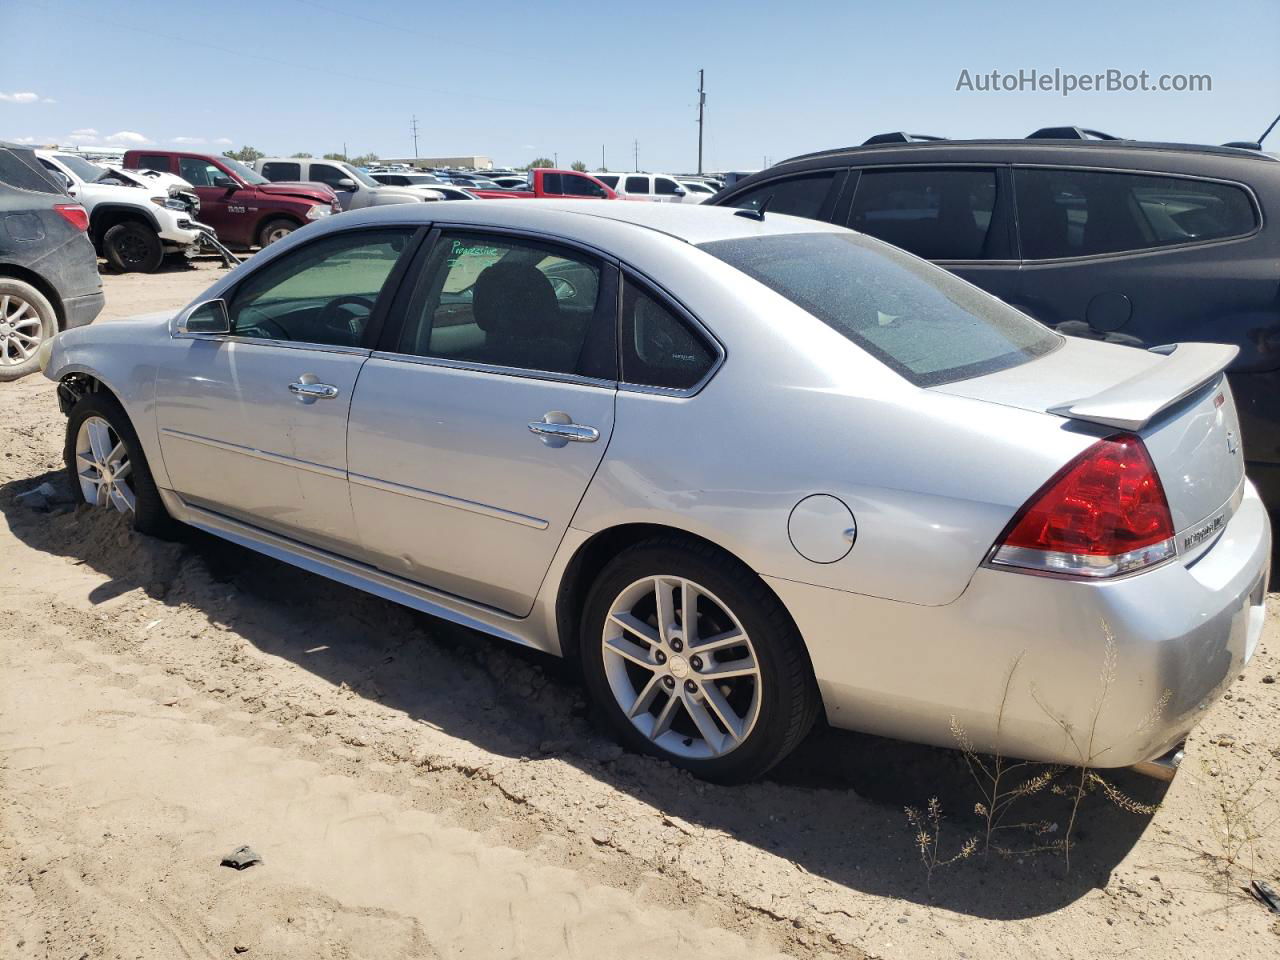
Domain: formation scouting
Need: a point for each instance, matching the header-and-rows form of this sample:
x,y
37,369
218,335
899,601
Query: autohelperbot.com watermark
x,y
1066,82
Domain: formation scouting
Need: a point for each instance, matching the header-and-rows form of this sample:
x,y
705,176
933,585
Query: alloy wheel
x,y
102,466
681,667
21,330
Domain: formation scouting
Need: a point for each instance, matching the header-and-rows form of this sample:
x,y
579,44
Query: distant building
x,y
471,163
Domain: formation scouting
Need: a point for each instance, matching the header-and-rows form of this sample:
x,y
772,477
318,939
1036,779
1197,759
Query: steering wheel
x,y
330,315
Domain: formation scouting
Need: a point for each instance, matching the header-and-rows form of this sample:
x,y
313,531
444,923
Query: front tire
x,y
107,467
27,319
694,660
133,247
274,230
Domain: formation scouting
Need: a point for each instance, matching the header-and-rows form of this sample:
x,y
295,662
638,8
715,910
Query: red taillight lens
x,y
74,214
1105,513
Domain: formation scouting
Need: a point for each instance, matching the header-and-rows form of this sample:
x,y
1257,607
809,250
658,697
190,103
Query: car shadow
x,y
834,808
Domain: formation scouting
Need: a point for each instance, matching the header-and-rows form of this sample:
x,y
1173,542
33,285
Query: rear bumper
x,y
81,311
1181,634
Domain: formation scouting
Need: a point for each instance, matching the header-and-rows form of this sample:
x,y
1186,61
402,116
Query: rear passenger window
x,y
512,303
637,185
935,214
798,196
658,348
277,171
1077,213
155,161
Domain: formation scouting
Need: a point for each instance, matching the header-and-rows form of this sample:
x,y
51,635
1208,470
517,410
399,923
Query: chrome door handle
x,y
552,431
313,391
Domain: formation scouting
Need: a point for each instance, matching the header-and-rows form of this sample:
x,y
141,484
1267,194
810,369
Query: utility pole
x,y
702,100
602,166
635,153
555,160
414,127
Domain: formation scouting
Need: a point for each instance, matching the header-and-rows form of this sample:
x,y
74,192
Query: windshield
x,y
247,174
925,323
82,168
360,176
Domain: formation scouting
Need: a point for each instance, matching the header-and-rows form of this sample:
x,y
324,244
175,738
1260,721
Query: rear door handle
x,y
313,391
556,429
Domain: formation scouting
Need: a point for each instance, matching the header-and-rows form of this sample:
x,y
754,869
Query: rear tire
x,y
146,513
727,729
274,230
133,247
27,319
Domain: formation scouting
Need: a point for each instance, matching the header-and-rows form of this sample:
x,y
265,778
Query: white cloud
x,y
223,141
19,97
27,140
48,100
187,140
128,136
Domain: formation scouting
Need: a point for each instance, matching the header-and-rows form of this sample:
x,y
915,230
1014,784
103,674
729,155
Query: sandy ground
x,y
416,790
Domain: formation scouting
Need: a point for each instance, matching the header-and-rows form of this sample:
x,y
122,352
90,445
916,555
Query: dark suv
x,y
48,271
1132,242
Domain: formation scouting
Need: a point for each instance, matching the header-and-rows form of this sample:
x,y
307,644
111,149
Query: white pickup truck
x,y
135,217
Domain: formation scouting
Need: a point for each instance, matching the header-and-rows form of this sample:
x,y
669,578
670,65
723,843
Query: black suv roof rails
x,y
899,136
1071,133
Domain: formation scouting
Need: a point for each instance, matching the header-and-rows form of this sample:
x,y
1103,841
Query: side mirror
x,y
225,182
681,192
346,183
63,179
208,317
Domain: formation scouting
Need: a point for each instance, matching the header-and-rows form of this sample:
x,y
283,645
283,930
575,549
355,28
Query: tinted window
x,y
659,349
664,187
323,293
324,173
935,214
278,170
610,180
551,183
581,187
921,321
19,169
511,303
798,196
155,161
637,185
197,172
1074,213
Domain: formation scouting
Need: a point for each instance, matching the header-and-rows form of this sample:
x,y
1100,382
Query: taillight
x,y
1103,514
74,214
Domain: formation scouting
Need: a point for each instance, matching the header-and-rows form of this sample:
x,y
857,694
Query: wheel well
x,y
41,284
257,227
581,572
104,218
75,386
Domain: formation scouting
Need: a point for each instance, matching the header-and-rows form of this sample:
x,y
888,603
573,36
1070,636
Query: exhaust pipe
x,y
1162,767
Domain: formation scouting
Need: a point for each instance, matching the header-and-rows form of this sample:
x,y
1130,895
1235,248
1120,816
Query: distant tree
x,y
300,156
364,159
540,162
335,156
244,154
579,166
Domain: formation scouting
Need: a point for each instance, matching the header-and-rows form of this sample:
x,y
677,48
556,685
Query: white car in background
x,y
355,189
696,191
135,218
655,187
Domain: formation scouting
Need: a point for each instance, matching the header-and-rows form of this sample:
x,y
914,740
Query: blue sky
x,y
515,80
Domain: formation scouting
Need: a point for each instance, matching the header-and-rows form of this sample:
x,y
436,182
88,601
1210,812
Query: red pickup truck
x,y
240,204
559,184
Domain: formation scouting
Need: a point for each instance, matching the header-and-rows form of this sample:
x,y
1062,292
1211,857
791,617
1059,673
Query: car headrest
x,y
515,299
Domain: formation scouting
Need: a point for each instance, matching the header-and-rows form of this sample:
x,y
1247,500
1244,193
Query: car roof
x,y
1030,147
590,221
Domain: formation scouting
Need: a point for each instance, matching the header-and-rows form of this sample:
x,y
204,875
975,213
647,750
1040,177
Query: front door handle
x,y
557,428
312,391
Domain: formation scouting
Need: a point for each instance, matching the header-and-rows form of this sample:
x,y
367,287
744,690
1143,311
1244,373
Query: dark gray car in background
x,y
48,270
1131,242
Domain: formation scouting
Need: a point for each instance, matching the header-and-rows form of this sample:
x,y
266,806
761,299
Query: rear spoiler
x,y
1131,404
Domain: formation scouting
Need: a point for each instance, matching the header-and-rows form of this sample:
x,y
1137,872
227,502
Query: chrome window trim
x,y
475,367
717,346
285,344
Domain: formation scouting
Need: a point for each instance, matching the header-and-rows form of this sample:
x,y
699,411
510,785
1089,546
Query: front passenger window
x,y
323,293
802,196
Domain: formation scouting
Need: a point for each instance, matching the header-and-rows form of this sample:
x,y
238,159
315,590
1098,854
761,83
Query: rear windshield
x,y
928,325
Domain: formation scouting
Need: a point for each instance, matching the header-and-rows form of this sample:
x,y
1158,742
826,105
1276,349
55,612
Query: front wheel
x,y
107,468
274,230
133,247
694,660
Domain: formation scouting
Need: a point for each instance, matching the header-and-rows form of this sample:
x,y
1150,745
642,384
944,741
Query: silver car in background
x,y
748,468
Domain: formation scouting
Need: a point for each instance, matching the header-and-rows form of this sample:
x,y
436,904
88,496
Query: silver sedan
x,y
749,469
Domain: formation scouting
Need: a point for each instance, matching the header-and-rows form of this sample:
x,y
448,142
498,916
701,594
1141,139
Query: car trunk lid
x,y
1175,398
